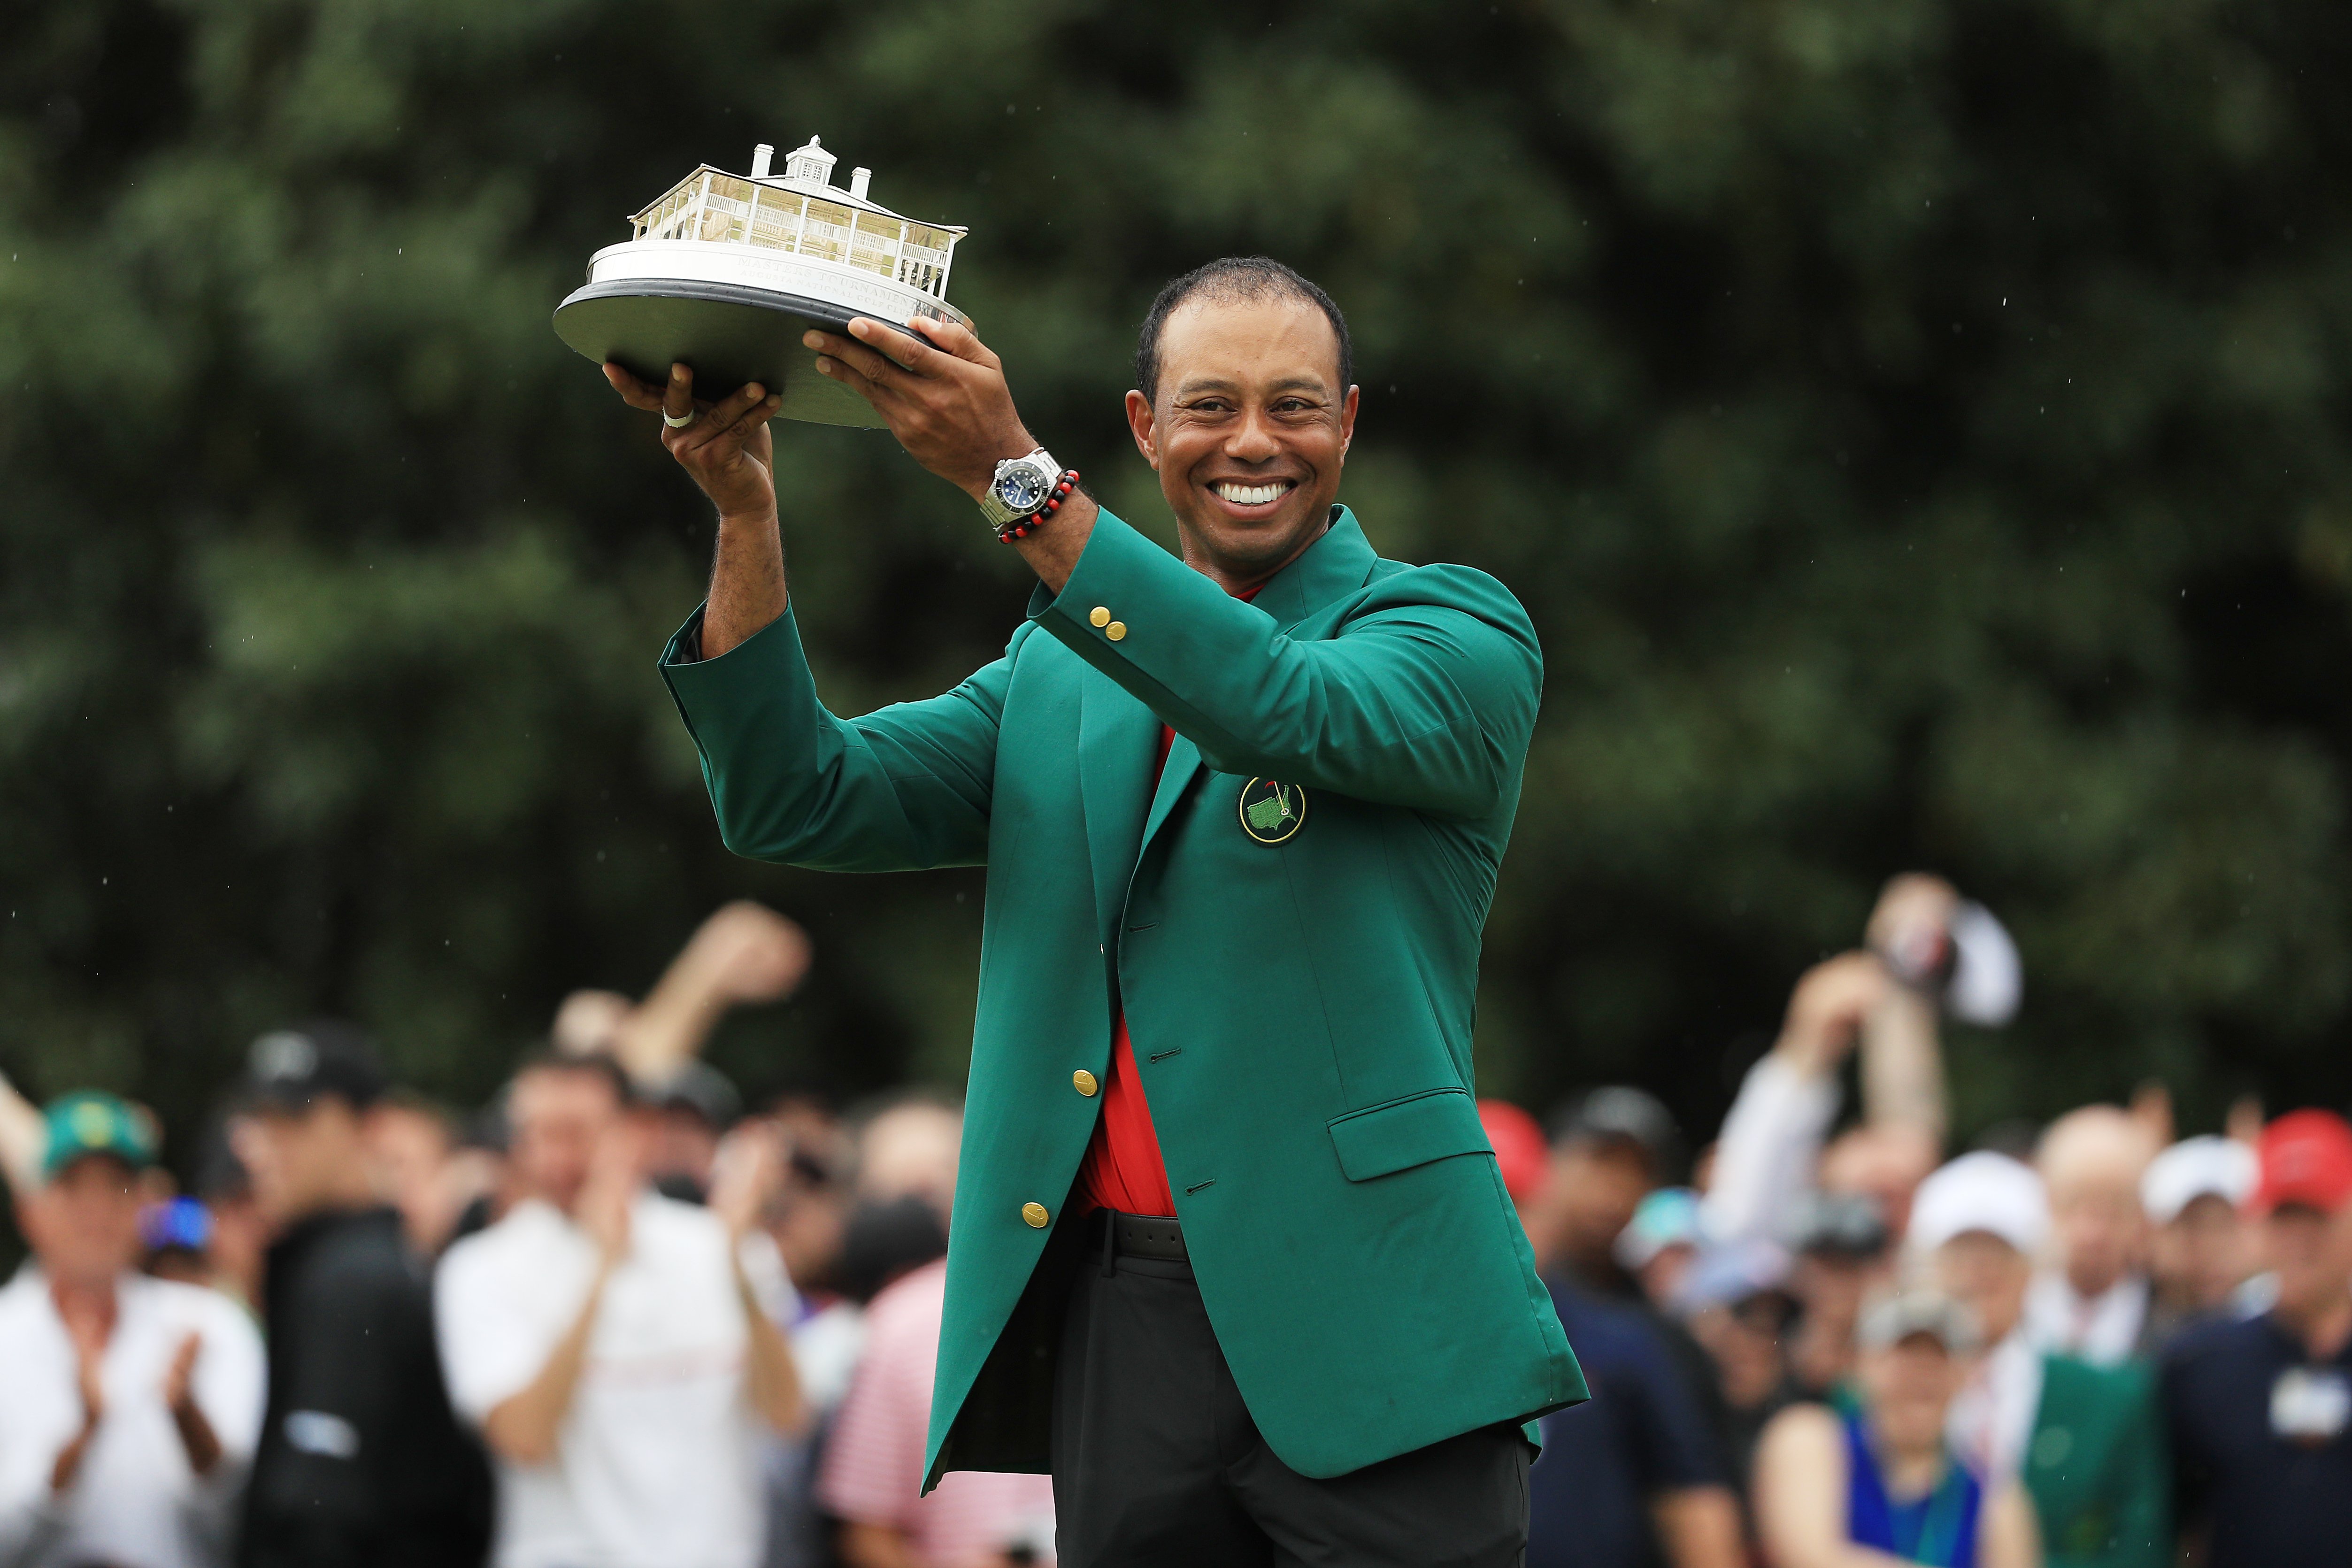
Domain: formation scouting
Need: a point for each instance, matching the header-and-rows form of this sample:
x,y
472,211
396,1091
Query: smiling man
x,y
1230,1256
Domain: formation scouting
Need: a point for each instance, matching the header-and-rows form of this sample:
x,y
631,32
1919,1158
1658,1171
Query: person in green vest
x,y
2085,1441
1230,1253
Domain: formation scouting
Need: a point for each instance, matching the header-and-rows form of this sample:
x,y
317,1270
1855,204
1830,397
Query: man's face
x,y
2311,1252
1910,1385
84,1224
1248,430
2102,1232
2206,1252
1597,1182
558,1118
1986,1275
299,1160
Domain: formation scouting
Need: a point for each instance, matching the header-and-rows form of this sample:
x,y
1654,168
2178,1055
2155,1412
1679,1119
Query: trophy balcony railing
x,y
719,208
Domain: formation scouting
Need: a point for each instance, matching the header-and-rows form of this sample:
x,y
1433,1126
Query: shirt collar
x,y
1333,566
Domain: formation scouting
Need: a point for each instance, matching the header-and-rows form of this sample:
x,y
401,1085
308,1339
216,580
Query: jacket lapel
x,y
1118,738
1333,566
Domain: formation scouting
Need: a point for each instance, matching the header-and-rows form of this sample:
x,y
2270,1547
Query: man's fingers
x,y
872,364
955,338
635,391
721,415
677,398
883,398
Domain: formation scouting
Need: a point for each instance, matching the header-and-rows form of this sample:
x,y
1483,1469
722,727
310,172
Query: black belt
x,y
1115,1234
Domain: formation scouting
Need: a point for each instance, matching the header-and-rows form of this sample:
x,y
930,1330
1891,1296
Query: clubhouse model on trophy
x,y
725,272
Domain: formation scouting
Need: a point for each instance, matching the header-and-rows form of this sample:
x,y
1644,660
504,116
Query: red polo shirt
x,y
1123,1169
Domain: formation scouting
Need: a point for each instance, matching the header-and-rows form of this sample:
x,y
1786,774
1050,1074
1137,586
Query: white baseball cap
x,y
1983,1191
2196,1168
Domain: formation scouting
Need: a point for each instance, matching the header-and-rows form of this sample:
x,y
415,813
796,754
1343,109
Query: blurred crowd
x,y
1828,1339
613,1319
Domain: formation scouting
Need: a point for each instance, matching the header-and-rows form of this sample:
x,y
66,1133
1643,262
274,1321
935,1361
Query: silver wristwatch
x,y
1021,489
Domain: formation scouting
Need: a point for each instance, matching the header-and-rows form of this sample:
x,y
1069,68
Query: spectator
x,y
2094,1302
1878,1483
873,1469
414,1144
2260,1408
239,1233
360,1461
1637,1474
2084,1440
1842,1253
687,1112
1610,1148
619,1350
175,1236
2201,1248
131,1403
1659,1244
1737,1304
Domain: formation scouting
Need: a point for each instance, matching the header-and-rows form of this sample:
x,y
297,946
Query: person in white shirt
x,y
132,1405
619,1350
2092,1301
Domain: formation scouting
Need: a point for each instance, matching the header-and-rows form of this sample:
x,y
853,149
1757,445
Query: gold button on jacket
x,y
1083,1081
1035,1214
1099,616
1116,630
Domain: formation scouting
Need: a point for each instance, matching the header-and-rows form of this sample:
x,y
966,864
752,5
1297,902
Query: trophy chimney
x,y
761,156
858,180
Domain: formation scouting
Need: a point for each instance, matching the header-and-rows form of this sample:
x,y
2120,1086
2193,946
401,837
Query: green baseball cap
x,y
91,1121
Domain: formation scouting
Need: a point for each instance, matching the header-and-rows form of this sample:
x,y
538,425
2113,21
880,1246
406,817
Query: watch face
x,y
1023,489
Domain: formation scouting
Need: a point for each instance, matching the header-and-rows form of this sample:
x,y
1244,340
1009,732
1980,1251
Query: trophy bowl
x,y
725,272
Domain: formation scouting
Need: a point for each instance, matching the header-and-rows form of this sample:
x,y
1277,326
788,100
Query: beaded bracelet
x,y
1062,488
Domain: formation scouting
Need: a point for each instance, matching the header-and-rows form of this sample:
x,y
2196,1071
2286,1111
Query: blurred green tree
x,y
1915,427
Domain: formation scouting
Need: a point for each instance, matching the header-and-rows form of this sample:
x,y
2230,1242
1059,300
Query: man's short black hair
x,y
1234,278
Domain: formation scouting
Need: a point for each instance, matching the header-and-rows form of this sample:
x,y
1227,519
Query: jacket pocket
x,y
1434,1124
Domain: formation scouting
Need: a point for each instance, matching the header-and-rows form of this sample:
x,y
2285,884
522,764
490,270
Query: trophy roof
x,y
804,185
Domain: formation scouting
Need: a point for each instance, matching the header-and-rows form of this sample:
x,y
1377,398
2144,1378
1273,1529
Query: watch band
x,y
1040,465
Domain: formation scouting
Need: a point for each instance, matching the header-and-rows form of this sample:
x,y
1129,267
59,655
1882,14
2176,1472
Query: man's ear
x,y
1347,420
1144,427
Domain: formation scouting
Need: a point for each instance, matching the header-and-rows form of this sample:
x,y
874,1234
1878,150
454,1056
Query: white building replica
x,y
797,233
726,271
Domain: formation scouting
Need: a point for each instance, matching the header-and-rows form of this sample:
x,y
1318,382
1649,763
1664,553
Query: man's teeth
x,y
1251,495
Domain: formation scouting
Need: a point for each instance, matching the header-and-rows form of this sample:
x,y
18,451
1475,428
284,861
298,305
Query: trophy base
x,y
728,334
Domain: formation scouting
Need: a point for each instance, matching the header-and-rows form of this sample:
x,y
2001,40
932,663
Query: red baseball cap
x,y
2306,1158
1520,1150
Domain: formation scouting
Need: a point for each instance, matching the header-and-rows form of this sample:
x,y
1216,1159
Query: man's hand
x,y
942,393
88,1332
1827,1009
746,1175
614,1174
196,1436
726,449
1911,927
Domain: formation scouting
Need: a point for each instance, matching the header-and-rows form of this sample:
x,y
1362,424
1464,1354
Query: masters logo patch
x,y
1271,811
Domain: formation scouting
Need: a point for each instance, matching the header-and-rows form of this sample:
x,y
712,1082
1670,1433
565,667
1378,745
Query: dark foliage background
x,y
1917,427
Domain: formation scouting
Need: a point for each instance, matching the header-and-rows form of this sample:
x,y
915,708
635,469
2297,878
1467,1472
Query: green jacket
x,y
2096,1468
1300,1008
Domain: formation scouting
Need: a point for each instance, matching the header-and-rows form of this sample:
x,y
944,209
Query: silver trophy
x,y
725,272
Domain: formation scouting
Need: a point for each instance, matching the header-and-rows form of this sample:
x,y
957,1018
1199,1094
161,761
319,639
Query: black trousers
x,y
1156,1460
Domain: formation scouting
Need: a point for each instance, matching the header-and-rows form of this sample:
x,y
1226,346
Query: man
x,y
2260,1408
2084,1440
2094,1302
618,1348
130,1404
2201,1248
1610,1149
1242,816
361,1460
